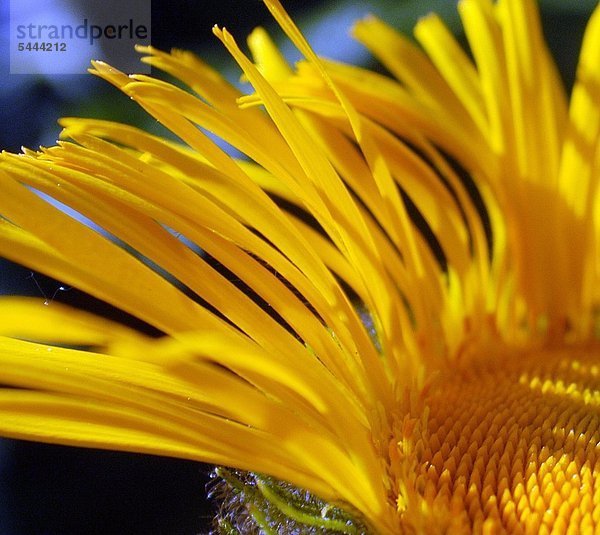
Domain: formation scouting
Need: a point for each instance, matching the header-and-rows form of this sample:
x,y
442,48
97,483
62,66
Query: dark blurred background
x,y
58,490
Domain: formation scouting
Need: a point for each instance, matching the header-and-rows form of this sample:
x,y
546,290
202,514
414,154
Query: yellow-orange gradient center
x,y
513,448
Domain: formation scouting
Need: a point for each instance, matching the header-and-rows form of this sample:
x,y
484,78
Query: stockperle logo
x,y
62,36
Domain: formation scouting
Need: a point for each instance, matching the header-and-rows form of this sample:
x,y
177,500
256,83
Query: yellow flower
x,y
391,301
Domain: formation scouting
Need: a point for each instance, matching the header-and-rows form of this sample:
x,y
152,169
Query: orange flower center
x,y
513,448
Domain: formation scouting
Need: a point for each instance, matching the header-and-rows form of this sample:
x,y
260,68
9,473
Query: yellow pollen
x,y
513,448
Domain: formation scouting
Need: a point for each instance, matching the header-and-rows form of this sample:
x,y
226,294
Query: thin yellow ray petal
x,y
50,325
324,337
320,170
285,166
355,172
40,416
333,258
392,262
351,166
578,180
133,388
315,165
182,263
415,177
411,66
131,228
113,381
299,41
381,175
428,193
200,77
249,141
390,196
147,388
64,420
332,405
451,235
243,197
243,270
121,380
267,57
314,452
136,289
534,84
454,65
19,246
308,261
392,108
405,279
386,311
486,44
584,124
420,182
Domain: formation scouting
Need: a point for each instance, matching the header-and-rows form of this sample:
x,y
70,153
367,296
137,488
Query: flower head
x,y
390,301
